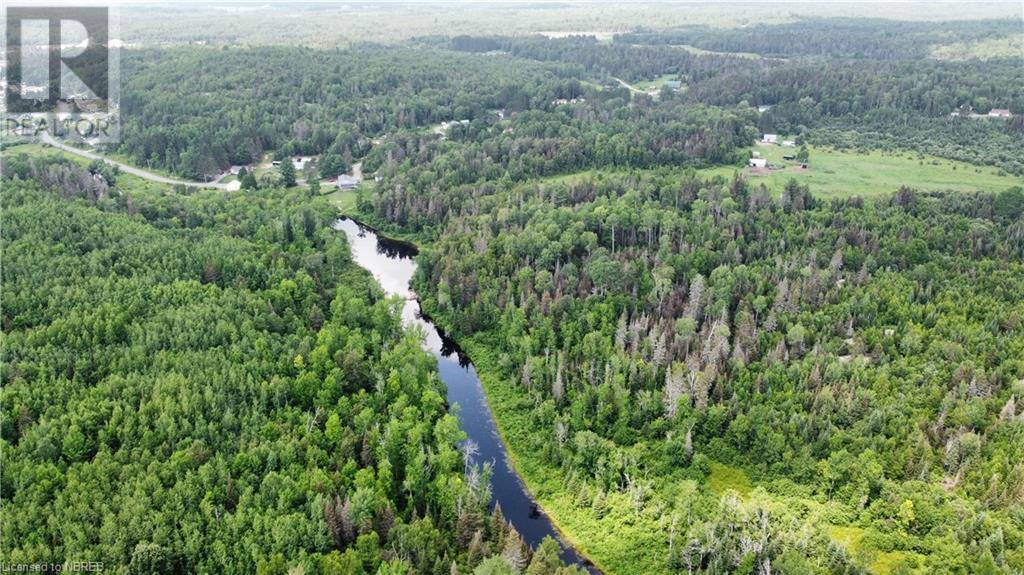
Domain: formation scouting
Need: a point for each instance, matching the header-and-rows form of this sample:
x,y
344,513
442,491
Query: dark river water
x,y
392,263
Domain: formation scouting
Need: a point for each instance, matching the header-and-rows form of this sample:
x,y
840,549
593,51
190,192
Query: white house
x,y
347,182
770,138
788,144
999,113
300,163
757,163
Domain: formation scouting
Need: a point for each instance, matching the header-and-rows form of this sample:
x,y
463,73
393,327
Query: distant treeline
x,y
602,60
879,99
860,38
196,111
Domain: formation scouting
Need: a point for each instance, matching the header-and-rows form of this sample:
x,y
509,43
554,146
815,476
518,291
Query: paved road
x,y
48,139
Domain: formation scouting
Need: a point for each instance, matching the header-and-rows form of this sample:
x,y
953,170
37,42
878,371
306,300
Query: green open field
x,y
701,51
1005,47
838,173
655,83
830,173
124,159
833,173
723,477
345,200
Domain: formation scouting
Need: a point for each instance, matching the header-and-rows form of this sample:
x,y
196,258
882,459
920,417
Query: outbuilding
x,y
347,182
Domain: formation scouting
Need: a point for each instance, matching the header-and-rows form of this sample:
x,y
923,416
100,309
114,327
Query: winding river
x,y
392,263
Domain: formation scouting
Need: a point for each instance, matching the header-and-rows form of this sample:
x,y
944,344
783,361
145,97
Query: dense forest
x,y
863,355
873,100
197,111
632,62
857,38
905,105
839,85
208,384
647,335
539,143
693,372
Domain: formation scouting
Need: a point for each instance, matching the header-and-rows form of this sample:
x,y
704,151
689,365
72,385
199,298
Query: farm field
x,y
656,83
837,173
833,173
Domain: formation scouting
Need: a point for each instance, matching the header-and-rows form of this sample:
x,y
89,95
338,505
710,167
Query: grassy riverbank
x,y
611,548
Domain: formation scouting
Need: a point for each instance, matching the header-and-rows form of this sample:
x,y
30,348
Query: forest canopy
x,y
712,341
209,384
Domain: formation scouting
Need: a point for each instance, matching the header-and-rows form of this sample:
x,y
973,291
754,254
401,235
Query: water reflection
x,y
392,263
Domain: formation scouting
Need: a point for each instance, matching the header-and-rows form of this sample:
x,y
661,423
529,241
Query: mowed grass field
x,y
841,173
345,200
655,83
837,173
